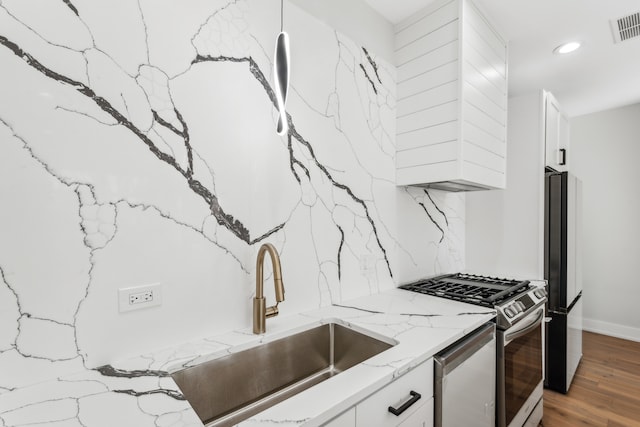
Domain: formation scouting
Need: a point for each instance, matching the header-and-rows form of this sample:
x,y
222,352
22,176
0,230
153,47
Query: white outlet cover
x,y
124,293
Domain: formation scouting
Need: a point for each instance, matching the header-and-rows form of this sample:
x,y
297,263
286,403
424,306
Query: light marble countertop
x,y
140,392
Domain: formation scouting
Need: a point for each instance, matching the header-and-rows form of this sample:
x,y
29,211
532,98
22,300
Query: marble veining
x,y
139,391
137,147
412,314
227,220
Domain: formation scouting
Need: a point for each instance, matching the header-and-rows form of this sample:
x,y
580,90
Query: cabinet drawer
x,y
422,417
346,419
374,411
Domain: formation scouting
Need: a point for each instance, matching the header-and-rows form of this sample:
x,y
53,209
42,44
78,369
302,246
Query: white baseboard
x,y
611,329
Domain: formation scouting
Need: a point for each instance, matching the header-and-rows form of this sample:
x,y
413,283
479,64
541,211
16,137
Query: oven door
x,y
520,369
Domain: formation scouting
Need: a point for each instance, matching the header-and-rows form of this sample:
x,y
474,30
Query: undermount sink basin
x,y
232,388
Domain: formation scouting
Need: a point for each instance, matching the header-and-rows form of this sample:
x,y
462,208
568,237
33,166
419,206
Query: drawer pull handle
x,y
406,405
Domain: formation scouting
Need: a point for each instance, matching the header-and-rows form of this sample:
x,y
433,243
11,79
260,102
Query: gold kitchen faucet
x,y
260,309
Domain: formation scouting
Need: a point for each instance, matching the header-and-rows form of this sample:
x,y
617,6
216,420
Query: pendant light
x,y
281,74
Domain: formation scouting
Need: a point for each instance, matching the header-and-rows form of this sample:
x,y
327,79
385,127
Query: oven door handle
x,y
510,336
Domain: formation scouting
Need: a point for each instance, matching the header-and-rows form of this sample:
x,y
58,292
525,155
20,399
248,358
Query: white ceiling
x,y
599,76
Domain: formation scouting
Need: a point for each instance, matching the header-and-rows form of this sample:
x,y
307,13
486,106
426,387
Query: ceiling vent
x,y
626,27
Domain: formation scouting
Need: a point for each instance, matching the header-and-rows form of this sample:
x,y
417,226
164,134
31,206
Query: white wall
x,y
605,150
98,193
504,227
355,19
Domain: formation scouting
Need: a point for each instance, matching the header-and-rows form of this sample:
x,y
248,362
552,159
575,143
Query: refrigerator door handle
x,y
574,302
564,311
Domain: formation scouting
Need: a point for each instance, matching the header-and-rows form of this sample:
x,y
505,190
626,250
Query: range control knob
x,y
509,312
517,307
540,293
521,306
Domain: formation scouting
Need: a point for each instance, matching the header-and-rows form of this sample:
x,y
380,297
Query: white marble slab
x,y
139,391
138,146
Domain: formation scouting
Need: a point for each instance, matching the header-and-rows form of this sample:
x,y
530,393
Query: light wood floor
x,y
605,390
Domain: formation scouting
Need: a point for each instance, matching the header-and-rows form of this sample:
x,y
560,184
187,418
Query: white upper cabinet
x,y
556,134
452,99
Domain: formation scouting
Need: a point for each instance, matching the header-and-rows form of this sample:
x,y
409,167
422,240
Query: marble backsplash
x,y
138,146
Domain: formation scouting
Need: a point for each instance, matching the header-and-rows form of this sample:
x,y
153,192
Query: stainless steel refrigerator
x,y
563,272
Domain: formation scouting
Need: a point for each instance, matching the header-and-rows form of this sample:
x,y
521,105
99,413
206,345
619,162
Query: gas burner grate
x,y
479,290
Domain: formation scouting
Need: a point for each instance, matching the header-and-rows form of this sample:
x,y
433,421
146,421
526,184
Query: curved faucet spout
x,y
260,309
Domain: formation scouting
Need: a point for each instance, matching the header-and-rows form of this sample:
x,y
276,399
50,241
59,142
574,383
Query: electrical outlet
x,y
139,297
367,265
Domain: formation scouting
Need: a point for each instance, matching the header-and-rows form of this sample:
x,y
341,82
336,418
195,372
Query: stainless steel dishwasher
x,y
465,381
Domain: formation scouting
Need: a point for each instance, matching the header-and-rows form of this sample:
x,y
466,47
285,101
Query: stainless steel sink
x,y
230,389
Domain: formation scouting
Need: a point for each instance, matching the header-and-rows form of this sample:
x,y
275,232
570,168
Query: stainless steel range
x,y
520,313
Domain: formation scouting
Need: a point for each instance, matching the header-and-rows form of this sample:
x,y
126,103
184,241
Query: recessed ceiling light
x,y
567,47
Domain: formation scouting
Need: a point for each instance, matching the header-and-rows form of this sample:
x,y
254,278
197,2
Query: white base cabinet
x,y
422,417
346,419
374,410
